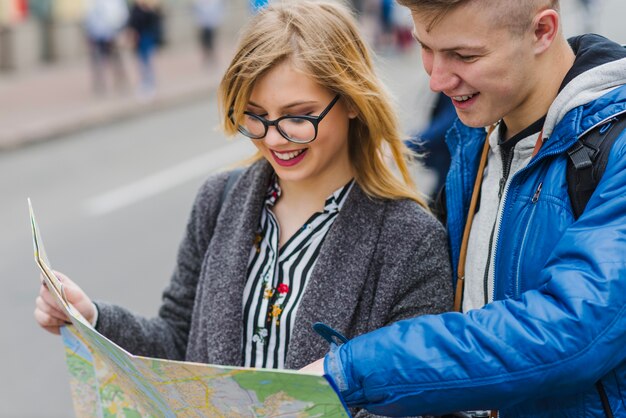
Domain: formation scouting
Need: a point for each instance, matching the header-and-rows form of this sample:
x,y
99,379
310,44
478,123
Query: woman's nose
x,y
273,137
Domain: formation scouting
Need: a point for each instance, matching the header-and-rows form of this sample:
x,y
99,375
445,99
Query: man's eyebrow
x,y
462,47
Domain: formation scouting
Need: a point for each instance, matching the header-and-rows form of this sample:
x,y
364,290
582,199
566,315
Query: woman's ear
x,y
352,111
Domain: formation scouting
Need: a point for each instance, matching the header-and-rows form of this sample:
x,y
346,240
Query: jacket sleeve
x,y
560,338
166,335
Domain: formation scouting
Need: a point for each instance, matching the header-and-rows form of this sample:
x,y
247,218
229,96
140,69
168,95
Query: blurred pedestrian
x,y
146,27
403,28
43,12
11,13
319,228
209,15
386,35
103,22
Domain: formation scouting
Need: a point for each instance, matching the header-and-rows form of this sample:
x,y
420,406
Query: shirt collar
x,y
333,203
273,191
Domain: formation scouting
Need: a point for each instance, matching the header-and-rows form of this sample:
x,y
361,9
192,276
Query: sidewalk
x,y
58,100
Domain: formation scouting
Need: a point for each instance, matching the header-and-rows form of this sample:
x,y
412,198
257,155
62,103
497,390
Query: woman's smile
x,y
289,158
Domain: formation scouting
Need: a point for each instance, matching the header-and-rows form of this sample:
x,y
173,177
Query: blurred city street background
x,y
112,173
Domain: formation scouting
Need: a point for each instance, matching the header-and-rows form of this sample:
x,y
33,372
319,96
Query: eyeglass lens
x,y
294,128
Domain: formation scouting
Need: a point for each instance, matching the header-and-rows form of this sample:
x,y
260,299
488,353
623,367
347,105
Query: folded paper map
x,y
107,381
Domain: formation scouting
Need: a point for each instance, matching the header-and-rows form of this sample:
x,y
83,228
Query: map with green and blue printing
x,y
107,381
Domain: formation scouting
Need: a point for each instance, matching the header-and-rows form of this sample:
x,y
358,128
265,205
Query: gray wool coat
x,y
382,261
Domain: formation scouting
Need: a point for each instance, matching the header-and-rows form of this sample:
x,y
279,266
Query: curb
x,y
92,117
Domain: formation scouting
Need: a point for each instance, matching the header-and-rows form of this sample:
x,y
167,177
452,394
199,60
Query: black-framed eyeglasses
x,y
300,129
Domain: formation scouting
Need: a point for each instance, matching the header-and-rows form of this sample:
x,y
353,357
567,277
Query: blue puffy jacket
x,y
558,322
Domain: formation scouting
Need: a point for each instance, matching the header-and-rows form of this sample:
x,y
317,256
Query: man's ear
x,y
545,29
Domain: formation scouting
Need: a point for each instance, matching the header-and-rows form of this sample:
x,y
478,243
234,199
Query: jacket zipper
x,y
507,161
486,274
534,200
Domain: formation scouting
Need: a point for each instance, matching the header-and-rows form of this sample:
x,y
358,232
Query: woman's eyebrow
x,y
287,106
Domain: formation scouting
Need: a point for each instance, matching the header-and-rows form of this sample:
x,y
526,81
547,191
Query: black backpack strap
x,y
230,182
587,161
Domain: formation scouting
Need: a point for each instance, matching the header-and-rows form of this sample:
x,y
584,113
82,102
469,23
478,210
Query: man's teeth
x,y
288,155
462,98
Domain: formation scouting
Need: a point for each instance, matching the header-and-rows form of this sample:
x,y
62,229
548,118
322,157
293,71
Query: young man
x,y
543,328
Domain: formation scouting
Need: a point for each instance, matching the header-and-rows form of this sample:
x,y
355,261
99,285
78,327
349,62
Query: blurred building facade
x,y
40,32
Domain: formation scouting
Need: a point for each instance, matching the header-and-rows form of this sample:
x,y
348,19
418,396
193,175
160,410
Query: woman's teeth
x,y
462,98
288,155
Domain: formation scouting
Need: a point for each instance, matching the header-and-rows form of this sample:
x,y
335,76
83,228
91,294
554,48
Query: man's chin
x,y
475,122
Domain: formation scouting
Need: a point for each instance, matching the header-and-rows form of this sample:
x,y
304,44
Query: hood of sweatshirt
x,y
600,66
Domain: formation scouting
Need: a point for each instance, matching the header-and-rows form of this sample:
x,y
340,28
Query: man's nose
x,y
442,79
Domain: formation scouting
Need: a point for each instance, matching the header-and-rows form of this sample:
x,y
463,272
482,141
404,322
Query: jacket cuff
x,y
94,320
102,322
334,369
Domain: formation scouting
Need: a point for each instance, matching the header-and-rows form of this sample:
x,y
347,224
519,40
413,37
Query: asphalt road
x,y
112,203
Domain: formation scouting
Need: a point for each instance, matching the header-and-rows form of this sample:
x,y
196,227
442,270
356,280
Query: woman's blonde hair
x,y
321,39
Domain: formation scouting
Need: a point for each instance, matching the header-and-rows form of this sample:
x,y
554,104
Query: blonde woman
x,y
318,228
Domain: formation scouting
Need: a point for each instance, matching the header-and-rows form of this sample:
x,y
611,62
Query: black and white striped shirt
x,y
277,279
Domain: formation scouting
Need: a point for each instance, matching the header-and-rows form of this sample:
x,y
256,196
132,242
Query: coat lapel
x,y
226,265
336,284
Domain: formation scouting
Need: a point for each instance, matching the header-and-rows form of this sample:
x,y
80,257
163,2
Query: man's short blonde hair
x,y
517,15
